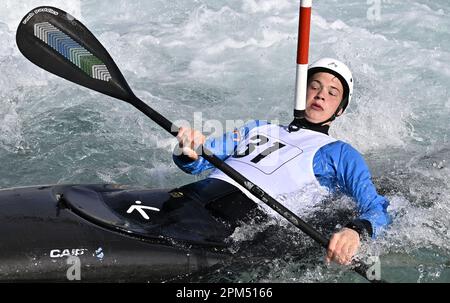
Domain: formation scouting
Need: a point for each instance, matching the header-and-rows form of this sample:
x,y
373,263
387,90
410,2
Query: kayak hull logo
x,y
62,253
140,209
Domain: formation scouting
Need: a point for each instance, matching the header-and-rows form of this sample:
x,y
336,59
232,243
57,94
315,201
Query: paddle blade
x,y
60,44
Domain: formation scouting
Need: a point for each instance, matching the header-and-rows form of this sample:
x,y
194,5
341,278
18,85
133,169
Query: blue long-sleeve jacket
x,y
337,166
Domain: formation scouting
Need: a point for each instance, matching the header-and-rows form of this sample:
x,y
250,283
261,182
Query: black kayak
x,y
118,233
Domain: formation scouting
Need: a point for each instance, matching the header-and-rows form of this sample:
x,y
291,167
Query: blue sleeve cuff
x,y
223,147
362,227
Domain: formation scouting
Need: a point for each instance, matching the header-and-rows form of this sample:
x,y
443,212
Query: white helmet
x,y
338,69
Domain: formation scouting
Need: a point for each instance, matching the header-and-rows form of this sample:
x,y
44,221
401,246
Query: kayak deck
x,y
43,226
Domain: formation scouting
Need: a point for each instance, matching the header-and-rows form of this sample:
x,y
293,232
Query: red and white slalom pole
x,y
302,58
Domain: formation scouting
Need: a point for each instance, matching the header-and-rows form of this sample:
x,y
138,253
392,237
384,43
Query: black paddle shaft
x,y
60,44
236,176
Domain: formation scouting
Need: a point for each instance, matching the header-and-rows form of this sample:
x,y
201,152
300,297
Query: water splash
x,y
236,60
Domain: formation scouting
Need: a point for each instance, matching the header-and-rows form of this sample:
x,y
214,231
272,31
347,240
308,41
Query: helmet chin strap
x,y
303,123
332,118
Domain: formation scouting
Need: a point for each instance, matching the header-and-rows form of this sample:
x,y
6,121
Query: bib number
x,y
254,142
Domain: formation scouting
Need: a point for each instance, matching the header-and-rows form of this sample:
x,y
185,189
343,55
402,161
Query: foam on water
x,y
11,12
236,60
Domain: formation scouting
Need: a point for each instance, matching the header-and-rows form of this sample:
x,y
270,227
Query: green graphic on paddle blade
x,y
72,51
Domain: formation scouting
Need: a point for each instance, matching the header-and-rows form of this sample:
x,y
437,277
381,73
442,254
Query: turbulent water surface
x,y
235,60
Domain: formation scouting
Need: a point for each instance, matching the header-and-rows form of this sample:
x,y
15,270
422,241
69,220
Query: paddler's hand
x,y
343,246
189,140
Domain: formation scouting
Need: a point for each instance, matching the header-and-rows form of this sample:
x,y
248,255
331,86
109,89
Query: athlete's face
x,y
323,97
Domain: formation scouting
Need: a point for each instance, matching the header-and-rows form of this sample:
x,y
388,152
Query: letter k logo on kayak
x,y
140,208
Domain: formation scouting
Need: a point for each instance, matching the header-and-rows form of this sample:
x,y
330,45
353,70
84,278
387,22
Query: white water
x,y
235,60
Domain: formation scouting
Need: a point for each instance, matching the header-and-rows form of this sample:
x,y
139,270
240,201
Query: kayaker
x,y
285,159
